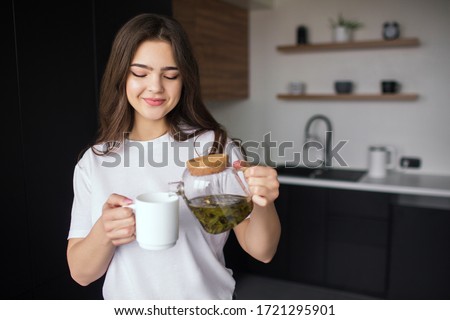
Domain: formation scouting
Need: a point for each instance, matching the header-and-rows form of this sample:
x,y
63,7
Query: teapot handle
x,y
241,165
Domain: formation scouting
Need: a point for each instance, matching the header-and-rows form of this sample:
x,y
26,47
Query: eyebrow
x,y
149,68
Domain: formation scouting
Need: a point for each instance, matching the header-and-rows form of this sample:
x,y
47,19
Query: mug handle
x,y
132,206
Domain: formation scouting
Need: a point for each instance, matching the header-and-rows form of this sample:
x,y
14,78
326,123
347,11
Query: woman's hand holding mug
x,y
118,220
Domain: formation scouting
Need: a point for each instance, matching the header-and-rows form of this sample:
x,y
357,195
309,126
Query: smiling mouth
x,y
154,102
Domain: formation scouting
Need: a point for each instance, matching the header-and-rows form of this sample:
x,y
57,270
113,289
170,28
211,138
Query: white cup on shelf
x,y
296,87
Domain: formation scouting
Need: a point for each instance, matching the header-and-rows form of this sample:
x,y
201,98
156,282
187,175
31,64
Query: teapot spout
x,y
177,187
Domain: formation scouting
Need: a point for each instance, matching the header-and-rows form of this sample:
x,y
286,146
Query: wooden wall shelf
x,y
368,44
355,97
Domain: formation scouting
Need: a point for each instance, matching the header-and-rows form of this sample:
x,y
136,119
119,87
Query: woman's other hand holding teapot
x,y
262,182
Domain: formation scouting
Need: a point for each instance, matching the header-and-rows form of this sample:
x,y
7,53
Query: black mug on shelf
x,y
390,86
343,87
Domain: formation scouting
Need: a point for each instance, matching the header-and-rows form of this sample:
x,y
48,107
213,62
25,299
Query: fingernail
x,y
128,201
240,165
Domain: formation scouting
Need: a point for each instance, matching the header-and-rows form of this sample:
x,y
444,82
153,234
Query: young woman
x,y
151,114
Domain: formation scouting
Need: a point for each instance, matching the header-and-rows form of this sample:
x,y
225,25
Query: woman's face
x,y
154,83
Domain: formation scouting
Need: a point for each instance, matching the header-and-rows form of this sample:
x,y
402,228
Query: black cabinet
x,y
307,234
420,253
357,241
377,244
339,238
330,237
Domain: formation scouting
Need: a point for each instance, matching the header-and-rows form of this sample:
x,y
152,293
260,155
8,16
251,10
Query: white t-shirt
x,y
195,267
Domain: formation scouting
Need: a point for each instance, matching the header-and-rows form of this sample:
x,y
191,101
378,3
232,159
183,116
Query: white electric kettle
x,y
381,159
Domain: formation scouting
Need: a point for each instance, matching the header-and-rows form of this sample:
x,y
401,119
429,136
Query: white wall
x,y
418,128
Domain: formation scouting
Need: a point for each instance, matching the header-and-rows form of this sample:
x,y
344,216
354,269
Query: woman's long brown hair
x,y
116,114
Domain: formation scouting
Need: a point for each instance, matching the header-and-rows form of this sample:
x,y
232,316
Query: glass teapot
x,y
214,193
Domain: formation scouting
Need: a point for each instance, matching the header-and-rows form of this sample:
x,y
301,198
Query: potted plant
x,y
343,28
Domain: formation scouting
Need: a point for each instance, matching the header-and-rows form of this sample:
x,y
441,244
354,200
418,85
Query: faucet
x,y
328,137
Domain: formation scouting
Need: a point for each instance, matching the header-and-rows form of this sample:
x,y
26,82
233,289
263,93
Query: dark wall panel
x,y
51,61
56,77
16,271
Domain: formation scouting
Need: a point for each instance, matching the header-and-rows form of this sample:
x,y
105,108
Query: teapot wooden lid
x,y
210,164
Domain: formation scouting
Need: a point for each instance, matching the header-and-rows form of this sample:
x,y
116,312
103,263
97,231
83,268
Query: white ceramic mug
x,y
381,158
157,220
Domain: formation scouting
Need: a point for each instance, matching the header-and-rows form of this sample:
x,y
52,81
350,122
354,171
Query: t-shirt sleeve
x,y
81,220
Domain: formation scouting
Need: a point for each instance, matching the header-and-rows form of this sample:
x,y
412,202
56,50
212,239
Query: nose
x,y
155,84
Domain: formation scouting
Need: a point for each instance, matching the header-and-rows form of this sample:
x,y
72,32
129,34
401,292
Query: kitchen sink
x,y
322,173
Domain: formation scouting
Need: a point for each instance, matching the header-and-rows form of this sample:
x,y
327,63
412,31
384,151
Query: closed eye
x,y
171,77
138,75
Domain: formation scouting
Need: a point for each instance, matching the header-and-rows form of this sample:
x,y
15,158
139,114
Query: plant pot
x,y
342,34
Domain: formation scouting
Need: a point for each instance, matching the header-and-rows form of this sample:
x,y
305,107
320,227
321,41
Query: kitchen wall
x,y
416,128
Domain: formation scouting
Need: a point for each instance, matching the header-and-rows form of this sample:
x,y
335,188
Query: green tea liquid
x,y
219,213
